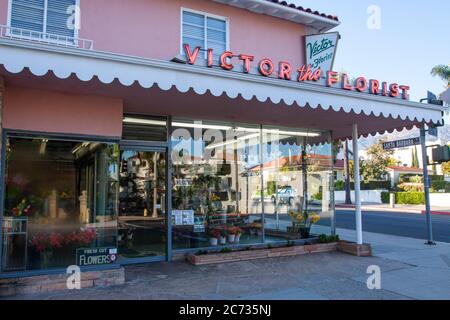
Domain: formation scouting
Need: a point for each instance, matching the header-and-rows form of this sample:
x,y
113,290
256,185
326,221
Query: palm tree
x,y
443,72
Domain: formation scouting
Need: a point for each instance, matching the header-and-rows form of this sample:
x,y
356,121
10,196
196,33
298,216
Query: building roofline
x,y
287,11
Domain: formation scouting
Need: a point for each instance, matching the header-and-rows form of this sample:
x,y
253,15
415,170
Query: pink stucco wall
x,y
50,111
151,29
3,12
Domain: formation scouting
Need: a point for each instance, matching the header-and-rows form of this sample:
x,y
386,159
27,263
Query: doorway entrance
x,y
142,221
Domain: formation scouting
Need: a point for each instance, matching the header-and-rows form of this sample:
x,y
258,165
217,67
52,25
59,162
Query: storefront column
x,y
2,91
357,185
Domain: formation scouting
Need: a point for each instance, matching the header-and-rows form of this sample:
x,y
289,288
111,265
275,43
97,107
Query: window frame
x,y
44,22
206,15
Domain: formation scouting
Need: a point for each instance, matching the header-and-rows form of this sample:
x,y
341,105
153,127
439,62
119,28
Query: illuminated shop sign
x,y
321,50
283,70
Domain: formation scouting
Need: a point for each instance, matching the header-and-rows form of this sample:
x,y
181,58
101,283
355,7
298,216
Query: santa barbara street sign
x,y
401,143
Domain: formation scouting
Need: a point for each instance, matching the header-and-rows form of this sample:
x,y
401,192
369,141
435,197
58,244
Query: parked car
x,y
285,195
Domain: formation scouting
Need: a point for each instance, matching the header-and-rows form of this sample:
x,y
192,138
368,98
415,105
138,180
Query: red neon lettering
x,y
266,67
316,75
331,78
345,83
393,90
306,73
247,60
210,58
192,56
384,89
285,71
223,60
374,87
361,84
405,94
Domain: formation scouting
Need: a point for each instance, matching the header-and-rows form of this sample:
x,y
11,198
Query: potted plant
x,y
238,234
223,236
215,235
232,235
45,244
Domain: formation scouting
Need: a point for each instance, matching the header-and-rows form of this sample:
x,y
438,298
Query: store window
x,y
60,198
216,189
39,17
244,184
204,31
297,172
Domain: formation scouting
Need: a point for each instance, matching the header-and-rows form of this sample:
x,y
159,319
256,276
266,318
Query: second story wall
x,y
151,28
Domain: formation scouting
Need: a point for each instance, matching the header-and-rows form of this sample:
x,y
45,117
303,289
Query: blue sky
x,y
414,37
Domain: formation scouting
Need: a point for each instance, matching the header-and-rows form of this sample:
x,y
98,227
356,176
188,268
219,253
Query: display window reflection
x,y
216,198
297,173
60,196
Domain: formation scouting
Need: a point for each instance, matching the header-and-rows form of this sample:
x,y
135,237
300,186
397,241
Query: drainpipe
x,y
357,179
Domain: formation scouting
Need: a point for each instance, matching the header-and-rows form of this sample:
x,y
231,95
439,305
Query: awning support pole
x,y
357,185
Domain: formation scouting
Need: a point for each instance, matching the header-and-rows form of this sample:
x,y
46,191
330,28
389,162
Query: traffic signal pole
x,y
426,181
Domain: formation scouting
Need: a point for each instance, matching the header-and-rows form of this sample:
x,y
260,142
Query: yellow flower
x,y
300,217
314,218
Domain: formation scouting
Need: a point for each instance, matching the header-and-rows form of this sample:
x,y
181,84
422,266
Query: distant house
x,y
395,172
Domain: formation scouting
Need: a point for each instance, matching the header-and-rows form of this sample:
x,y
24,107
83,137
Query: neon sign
x,y
285,71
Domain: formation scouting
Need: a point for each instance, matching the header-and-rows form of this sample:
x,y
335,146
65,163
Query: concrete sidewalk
x,y
408,208
426,271
409,270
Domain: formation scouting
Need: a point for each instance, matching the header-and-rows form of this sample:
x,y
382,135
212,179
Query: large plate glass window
x,y
216,184
60,203
297,172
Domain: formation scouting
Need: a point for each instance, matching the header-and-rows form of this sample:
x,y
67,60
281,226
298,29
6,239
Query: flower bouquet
x,y
45,244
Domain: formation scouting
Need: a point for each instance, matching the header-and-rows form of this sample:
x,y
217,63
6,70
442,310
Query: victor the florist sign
x,y
321,50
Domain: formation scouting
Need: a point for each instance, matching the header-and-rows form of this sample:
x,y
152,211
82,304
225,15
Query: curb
x,y
438,213
442,213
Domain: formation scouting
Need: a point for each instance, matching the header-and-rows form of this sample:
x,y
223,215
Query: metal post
x,y
426,182
348,198
357,179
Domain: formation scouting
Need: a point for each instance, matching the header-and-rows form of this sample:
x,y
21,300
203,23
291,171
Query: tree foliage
x,y
445,167
377,162
443,72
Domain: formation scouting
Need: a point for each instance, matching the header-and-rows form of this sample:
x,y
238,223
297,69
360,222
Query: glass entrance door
x,y
142,223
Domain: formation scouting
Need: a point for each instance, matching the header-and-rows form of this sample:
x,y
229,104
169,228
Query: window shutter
x,y
58,18
193,30
28,14
216,35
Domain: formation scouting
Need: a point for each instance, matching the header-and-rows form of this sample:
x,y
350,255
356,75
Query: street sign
x,y
401,143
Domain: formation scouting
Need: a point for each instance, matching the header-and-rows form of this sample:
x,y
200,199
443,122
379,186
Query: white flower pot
x,y
223,240
213,241
237,238
231,238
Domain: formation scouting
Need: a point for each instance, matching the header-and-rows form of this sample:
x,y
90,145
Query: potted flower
x,y
215,235
223,236
238,234
232,235
45,244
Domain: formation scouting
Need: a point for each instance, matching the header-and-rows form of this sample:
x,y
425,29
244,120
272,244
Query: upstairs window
x,y
205,31
39,17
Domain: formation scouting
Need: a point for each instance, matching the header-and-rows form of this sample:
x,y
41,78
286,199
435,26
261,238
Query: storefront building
x,y
162,127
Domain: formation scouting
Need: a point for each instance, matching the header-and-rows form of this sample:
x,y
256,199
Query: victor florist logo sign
x,y
321,50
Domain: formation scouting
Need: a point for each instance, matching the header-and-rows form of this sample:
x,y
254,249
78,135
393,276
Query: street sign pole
x,y
426,181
